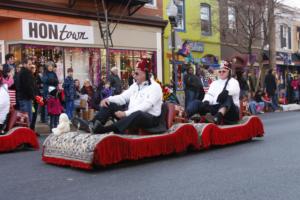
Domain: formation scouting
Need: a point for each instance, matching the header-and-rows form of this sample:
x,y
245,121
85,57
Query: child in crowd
x,y
54,106
245,106
70,92
257,104
106,91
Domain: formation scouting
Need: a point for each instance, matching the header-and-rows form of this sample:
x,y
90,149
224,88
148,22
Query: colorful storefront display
x,y
87,63
76,43
192,36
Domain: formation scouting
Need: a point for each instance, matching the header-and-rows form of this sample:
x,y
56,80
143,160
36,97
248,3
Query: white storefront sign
x,y
57,32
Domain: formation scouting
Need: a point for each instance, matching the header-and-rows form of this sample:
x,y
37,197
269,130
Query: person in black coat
x,y
26,90
271,86
37,88
242,79
115,81
192,86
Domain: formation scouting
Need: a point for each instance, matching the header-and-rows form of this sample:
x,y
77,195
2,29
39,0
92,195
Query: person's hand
x,y
206,103
120,114
104,103
222,96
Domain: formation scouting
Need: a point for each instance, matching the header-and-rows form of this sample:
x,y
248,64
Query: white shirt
x,y
216,88
4,103
143,97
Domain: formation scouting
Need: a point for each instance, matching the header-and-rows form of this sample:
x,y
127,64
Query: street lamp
x,y
172,11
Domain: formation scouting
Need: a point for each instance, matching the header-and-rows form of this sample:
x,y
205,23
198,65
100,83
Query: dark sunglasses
x,y
221,71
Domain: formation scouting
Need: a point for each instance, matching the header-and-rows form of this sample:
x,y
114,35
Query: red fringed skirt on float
x,y
81,150
17,136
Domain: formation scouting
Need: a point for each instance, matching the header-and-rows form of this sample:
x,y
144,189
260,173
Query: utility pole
x,y
272,33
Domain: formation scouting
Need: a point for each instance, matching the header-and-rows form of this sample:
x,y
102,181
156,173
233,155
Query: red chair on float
x,y
18,134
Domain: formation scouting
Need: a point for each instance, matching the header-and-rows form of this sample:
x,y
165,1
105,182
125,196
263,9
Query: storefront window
x,y
85,63
126,60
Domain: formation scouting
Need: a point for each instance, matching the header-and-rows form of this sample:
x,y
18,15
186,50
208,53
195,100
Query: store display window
x,y
85,63
40,55
126,60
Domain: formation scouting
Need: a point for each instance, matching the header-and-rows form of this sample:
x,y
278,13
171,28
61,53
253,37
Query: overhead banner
x,y
56,32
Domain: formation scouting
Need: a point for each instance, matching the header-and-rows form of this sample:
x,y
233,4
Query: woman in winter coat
x,y
88,90
37,86
49,78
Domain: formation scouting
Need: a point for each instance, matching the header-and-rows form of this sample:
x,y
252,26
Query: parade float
x,y
17,134
88,151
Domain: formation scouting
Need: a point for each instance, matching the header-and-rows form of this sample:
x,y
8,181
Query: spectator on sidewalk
x,y
8,77
192,86
257,105
131,78
87,89
54,106
115,81
271,87
25,89
37,86
242,79
77,96
9,64
106,91
295,85
49,78
70,92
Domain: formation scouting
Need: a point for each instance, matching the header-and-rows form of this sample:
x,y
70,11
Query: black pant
x,y
232,114
34,115
135,120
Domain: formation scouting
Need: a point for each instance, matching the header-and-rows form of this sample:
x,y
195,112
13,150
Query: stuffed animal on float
x,y
63,126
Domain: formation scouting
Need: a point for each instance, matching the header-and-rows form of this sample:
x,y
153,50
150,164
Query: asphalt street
x,y
267,168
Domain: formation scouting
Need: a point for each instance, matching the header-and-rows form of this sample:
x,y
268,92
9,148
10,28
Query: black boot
x,y
98,128
81,124
215,119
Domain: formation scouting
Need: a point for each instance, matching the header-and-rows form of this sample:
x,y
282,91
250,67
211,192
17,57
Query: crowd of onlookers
x,y
253,101
38,92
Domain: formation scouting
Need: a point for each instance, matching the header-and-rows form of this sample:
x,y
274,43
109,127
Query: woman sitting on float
x,y
221,102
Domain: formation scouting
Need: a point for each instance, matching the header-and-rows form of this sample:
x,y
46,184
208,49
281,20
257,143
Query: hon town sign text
x,y
57,32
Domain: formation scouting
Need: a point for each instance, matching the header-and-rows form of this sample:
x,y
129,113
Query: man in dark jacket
x,y
270,87
69,88
25,90
115,81
9,63
193,86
